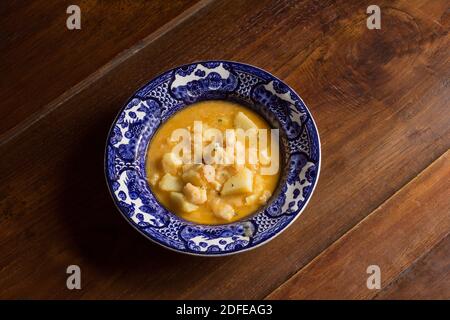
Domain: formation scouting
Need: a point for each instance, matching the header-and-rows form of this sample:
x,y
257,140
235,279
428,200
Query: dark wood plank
x,y
393,237
41,58
429,278
381,123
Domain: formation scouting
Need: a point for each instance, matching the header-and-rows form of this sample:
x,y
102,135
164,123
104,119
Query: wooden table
x,y
380,99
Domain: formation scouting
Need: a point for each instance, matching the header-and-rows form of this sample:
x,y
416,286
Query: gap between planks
x,y
102,71
349,231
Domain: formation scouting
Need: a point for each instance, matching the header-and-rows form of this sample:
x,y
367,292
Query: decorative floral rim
x,y
175,89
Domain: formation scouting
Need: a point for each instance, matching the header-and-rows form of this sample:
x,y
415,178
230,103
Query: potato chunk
x,y
181,203
154,178
171,163
241,182
257,198
251,199
221,209
194,194
170,183
244,122
193,177
265,197
235,201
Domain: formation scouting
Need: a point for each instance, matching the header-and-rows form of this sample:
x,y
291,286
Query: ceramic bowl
x,y
178,88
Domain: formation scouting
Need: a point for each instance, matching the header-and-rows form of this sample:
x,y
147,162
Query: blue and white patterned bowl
x,y
154,103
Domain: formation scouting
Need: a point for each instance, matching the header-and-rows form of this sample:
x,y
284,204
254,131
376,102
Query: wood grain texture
x,y
380,99
428,278
40,58
393,237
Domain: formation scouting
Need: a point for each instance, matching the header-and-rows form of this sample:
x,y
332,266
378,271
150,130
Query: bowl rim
x,y
210,254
